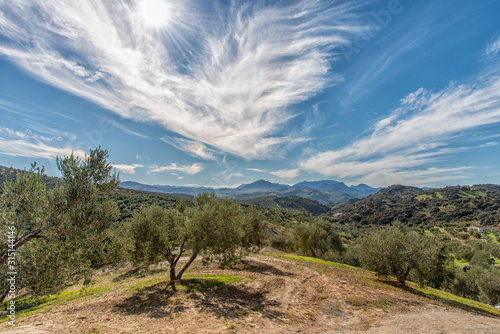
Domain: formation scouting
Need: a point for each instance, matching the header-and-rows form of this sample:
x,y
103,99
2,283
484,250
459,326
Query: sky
x,y
221,93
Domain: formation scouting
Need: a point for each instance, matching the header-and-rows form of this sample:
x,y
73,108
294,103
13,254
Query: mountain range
x,y
325,191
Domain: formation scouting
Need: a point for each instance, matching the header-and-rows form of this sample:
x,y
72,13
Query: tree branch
x,y
186,265
181,250
21,242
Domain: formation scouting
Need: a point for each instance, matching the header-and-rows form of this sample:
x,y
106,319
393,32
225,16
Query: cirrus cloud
x,y
224,81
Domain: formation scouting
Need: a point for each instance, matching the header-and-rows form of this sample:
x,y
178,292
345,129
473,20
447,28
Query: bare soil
x,y
276,295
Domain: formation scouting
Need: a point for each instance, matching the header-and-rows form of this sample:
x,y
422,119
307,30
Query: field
x,y
268,293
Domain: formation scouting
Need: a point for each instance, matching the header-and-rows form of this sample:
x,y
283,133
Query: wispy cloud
x,y
127,130
258,170
188,169
127,169
493,48
287,173
28,144
229,88
191,147
26,148
416,134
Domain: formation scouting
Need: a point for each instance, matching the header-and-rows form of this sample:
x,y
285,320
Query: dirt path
x,y
276,296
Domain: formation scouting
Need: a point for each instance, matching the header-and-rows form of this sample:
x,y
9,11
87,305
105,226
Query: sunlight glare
x,y
154,12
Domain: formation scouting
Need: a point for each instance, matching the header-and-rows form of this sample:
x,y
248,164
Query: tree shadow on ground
x,y
137,273
260,268
231,302
154,300
443,301
207,295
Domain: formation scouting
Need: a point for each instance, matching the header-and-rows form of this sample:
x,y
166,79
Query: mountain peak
x,y
261,184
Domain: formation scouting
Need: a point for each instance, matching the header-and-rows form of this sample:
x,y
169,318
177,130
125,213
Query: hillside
x,y
9,174
289,202
478,204
267,294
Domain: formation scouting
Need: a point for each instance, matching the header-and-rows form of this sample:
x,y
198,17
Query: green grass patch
x,y
461,263
29,305
313,260
493,237
470,193
456,301
428,233
424,197
436,194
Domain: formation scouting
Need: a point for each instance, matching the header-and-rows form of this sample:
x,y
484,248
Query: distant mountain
x,y
358,191
328,192
262,185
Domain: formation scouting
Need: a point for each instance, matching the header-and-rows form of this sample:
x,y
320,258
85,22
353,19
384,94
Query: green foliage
x,y
396,250
154,232
478,205
216,230
60,232
317,240
489,286
478,283
482,258
289,202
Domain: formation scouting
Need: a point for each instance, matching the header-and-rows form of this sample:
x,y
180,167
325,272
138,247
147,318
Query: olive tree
x,y
317,239
57,235
212,229
396,250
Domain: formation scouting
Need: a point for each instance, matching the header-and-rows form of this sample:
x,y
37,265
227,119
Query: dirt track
x,y
276,296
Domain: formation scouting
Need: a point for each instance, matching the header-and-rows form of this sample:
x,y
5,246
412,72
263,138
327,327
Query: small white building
x,y
337,215
470,228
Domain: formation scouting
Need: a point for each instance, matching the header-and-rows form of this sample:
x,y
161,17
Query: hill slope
x,y
479,204
267,294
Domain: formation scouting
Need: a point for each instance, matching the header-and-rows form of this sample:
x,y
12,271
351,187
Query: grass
x,y
108,284
461,263
470,193
493,237
313,260
456,301
436,194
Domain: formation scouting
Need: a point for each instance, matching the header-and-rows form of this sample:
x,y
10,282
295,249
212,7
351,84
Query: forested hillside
x,y
478,204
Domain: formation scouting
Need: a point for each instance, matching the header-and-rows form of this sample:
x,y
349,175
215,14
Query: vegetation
x,y
216,230
58,234
397,250
67,227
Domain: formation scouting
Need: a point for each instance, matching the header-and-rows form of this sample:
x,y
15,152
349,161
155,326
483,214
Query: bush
x,y
396,250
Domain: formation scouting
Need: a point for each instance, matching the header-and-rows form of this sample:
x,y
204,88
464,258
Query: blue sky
x,y
220,93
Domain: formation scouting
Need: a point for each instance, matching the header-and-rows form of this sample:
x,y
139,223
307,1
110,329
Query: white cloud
x,y
188,169
257,170
193,148
415,135
287,173
127,169
25,148
493,48
28,144
245,66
